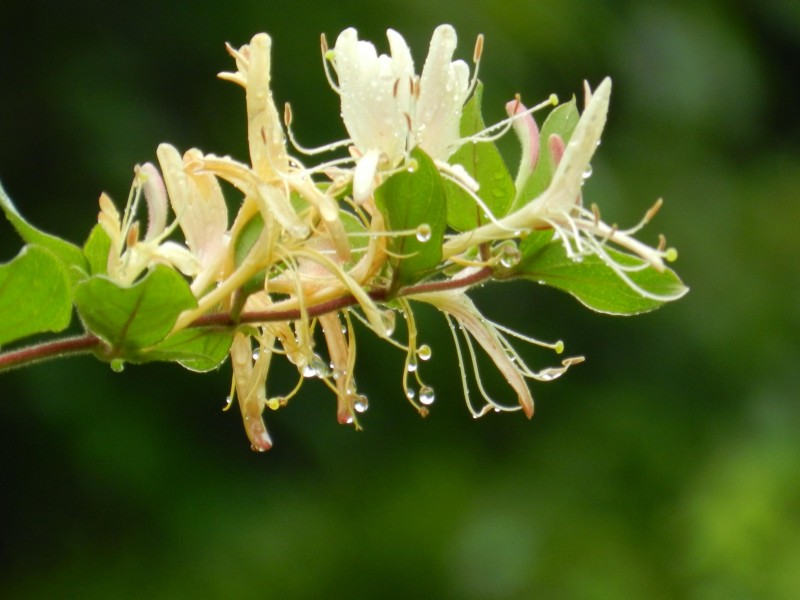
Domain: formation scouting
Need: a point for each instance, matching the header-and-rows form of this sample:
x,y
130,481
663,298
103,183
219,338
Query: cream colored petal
x,y
264,131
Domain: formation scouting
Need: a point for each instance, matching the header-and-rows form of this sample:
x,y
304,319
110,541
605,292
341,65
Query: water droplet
x,y
424,352
389,320
498,193
578,258
410,393
426,395
349,420
498,175
587,172
412,365
117,365
361,404
548,374
228,402
256,353
424,232
509,254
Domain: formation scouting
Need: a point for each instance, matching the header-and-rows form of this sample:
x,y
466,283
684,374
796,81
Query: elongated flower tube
x,y
457,305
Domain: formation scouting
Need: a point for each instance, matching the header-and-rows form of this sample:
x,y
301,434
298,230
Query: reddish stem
x,y
88,343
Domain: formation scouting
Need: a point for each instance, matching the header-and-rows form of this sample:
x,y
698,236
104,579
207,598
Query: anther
x,y
323,43
653,210
287,114
476,55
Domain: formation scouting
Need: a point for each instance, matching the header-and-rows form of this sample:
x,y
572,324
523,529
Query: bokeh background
x,y
666,466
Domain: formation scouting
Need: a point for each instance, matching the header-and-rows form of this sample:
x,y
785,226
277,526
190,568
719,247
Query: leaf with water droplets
x,y
593,282
483,162
409,200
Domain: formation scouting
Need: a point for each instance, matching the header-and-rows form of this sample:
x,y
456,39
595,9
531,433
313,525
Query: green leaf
x,y
247,238
69,254
198,349
133,317
561,121
484,163
34,294
407,201
592,281
96,250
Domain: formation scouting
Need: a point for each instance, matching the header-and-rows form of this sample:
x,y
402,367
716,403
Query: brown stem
x,y
23,357
88,343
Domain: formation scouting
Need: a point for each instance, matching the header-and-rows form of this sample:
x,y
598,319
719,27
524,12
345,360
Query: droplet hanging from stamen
x,y
424,352
361,403
426,395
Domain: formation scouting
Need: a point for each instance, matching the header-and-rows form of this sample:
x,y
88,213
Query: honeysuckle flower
x,y
129,256
580,229
457,305
388,110
272,175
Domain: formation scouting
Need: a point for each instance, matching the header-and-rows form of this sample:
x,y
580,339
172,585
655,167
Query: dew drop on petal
x,y
424,232
426,395
117,365
424,352
587,172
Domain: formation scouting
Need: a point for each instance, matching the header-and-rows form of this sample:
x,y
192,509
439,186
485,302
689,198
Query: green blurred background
x,y
666,466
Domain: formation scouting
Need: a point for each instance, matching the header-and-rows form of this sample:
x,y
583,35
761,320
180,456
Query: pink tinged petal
x,y
555,143
528,133
156,196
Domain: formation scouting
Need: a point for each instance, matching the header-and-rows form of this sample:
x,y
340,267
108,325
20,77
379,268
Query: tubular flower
x,y
581,230
129,256
388,109
456,304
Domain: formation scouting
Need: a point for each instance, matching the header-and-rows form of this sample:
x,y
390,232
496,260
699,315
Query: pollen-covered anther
x,y
478,51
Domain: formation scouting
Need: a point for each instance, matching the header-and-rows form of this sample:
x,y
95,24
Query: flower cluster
x,y
363,237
